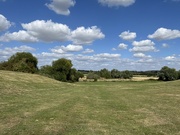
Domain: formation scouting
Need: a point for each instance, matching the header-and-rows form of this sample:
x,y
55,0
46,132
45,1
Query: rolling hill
x,y
33,104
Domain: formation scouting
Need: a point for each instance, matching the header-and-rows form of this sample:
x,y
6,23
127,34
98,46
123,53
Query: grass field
x,y
36,105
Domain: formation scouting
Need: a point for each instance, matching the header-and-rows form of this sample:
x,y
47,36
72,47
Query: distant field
x,y
135,78
32,104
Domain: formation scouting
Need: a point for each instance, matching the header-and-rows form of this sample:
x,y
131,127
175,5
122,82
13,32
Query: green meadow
x,y
35,105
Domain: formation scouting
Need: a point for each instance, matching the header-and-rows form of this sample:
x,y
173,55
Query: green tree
x,y
127,74
179,74
105,73
115,73
47,70
74,75
22,62
62,68
168,74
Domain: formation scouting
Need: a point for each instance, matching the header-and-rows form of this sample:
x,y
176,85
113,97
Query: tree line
x,y
113,74
62,70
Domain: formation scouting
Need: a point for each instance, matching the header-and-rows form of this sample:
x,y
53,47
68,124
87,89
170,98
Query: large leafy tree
x,y
22,62
61,70
168,74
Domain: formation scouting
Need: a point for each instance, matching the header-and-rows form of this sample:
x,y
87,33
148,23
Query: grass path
x,y
32,104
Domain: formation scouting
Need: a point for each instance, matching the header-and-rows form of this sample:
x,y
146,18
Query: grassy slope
x,y
32,104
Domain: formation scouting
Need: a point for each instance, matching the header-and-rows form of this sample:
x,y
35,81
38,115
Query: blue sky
x,y
94,34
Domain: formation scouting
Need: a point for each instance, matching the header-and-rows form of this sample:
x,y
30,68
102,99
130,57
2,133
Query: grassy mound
x,y
32,104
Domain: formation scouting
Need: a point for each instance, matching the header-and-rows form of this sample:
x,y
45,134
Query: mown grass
x,y
32,104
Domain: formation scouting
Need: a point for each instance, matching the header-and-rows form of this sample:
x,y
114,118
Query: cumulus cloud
x,y
4,23
141,55
165,34
170,58
61,6
86,51
95,61
122,46
108,55
127,35
116,3
68,48
86,36
21,35
145,61
143,43
44,56
143,49
143,46
98,57
48,31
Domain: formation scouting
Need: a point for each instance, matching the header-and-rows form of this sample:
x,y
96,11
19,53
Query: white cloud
x,y
108,55
116,3
72,48
113,49
86,51
48,31
122,46
68,48
97,61
170,58
143,43
164,45
21,35
61,6
145,61
127,35
98,57
53,56
143,49
86,36
141,55
143,46
165,34
4,23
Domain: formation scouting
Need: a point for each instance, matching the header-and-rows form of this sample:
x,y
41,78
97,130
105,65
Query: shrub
x,y
167,74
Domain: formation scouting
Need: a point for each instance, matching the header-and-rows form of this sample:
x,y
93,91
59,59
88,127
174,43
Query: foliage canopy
x,y
22,62
168,74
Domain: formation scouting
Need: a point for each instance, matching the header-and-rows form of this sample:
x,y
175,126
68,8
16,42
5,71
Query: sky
x,y
94,34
